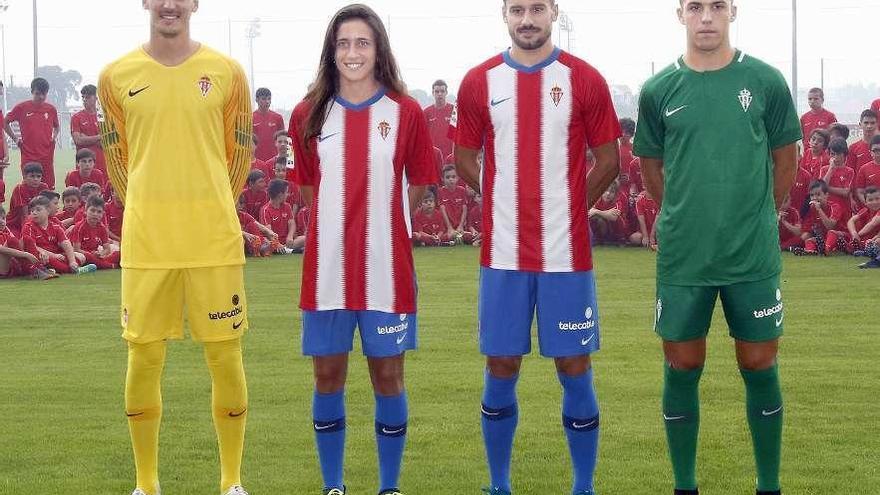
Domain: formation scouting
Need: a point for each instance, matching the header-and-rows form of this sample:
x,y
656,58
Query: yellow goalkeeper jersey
x,y
178,146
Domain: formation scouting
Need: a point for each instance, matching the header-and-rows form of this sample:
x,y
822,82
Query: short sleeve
x,y
780,117
15,114
600,119
419,164
468,118
306,171
650,130
55,122
59,232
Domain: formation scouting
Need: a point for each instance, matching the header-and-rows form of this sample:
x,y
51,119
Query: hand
x,y
592,213
450,233
615,214
44,257
248,237
289,242
30,258
855,236
815,205
74,266
646,241
59,257
274,236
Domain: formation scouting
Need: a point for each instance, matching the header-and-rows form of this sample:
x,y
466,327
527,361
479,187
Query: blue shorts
x,y
327,333
568,317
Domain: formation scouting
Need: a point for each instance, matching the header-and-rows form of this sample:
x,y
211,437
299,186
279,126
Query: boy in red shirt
x,y
439,116
294,198
860,151
646,211
869,173
278,216
86,192
85,170
48,242
54,205
255,195
628,127
453,200
70,199
91,237
429,225
608,220
283,147
15,262
838,131
266,123
113,213
259,240
816,156
823,226
789,227
31,186
38,123
800,190
475,220
864,227
85,128
839,177
817,117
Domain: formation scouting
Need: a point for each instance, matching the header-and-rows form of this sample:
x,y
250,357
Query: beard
x,y
532,44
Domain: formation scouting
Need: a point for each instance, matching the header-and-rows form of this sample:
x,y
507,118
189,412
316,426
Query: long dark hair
x,y
327,81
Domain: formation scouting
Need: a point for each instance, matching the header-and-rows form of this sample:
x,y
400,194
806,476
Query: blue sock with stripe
x,y
328,412
580,416
500,417
391,421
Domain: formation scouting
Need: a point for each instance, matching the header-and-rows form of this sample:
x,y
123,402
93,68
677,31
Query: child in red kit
x,y
823,226
114,210
14,261
91,237
453,202
864,227
839,178
790,232
869,174
31,186
255,195
646,211
86,191
49,243
278,216
259,240
294,198
70,199
429,225
816,155
608,220
85,170
54,205
475,220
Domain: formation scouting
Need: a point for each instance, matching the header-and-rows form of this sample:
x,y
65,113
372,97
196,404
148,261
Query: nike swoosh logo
x,y
587,341
321,139
326,427
29,114
495,103
771,413
391,432
487,413
779,321
235,326
581,427
234,415
133,93
134,415
673,418
401,339
670,113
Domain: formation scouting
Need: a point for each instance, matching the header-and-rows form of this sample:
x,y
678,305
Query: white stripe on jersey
x,y
331,211
380,270
503,102
555,193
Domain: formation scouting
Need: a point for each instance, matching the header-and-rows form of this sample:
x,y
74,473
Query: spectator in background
x,y
869,173
608,221
860,151
864,227
14,260
429,225
38,125
453,201
47,241
876,106
839,178
439,116
86,170
816,155
789,226
266,124
30,187
646,212
255,195
800,189
85,130
91,237
823,225
628,127
817,117
70,198
838,131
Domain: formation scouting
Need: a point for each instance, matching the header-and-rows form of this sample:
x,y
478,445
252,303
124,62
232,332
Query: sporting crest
x,y
205,85
556,94
384,129
745,99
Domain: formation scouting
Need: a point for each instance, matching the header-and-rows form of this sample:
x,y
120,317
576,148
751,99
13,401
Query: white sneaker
x,y
236,490
138,491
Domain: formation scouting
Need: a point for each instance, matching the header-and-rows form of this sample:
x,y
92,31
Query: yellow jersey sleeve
x,y
113,137
238,121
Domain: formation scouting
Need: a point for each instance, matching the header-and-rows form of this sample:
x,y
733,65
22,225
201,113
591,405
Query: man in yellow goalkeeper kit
x,y
177,137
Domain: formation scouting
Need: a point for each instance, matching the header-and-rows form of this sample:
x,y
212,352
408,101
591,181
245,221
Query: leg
x,y
229,405
5,264
143,407
391,415
580,418
328,413
757,362
500,416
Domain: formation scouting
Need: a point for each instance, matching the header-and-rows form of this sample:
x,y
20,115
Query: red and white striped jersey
x,y
535,125
358,254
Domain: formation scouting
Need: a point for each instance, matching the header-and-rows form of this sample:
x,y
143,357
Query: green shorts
x,y
753,310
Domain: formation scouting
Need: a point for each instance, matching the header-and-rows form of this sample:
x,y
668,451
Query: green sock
x,y
681,414
764,411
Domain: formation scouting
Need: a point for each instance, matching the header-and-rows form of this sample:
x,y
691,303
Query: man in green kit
x,y
717,137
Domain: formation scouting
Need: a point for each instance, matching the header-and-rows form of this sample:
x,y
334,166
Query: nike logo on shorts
x,y
235,326
401,339
587,340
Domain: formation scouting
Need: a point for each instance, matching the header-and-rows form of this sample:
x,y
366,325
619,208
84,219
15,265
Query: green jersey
x,y
715,132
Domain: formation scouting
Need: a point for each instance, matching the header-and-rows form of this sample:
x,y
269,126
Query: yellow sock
x,y
143,407
229,405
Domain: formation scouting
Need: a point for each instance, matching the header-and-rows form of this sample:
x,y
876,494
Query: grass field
x,y
65,161
65,431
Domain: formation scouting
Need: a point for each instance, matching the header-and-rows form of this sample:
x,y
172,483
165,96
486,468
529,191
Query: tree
x,y
62,85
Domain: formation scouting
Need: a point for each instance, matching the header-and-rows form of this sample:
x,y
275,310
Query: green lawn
x,y
65,430
65,161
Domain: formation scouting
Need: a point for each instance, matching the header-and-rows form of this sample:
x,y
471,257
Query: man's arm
x,y
15,253
416,194
113,137
238,124
604,172
9,132
70,254
784,171
652,178
83,141
468,166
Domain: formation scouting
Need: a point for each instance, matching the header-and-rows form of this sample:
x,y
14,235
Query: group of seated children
x,y
39,239
448,215
282,213
620,219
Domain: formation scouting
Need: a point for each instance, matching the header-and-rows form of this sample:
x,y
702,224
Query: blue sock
x,y
391,418
328,411
500,417
580,416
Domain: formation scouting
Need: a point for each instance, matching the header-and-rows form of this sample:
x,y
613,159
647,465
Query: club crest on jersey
x,y
453,119
205,86
556,94
384,129
745,99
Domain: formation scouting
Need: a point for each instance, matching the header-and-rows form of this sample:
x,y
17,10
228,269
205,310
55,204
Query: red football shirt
x,y
113,215
621,202
438,126
264,166
635,174
859,154
535,125
647,208
791,216
248,223
8,239
811,121
36,125
302,220
876,105
265,127
254,201
66,214
813,164
48,239
840,177
277,219
869,175
18,203
89,237
800,189
76,179
475,218
86,123
626,158
862,218
294,198
429,224
812,221
455,201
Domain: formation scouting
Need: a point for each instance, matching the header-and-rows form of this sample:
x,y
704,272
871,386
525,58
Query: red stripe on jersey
x,y
528,169
581,253
309,291
401,249
357,162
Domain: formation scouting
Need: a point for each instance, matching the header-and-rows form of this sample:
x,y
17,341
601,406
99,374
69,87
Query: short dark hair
x,y
278,134
84,154
281,160
38,201
50,194
428,194
70,191
821,184
449,167
277,187
838,146
32,168
628,126
871,190
255,175
88,90
439,82
822,133
95,202
39,84
261,92
818,91
88,188
839,128
868,114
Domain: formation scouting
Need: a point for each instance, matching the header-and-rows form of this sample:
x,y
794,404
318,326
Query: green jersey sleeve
x,y
650,131
781,119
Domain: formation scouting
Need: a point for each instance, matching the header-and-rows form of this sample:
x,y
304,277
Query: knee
x,y
503,367
388,381
573,366
685,363
757,363
329,379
